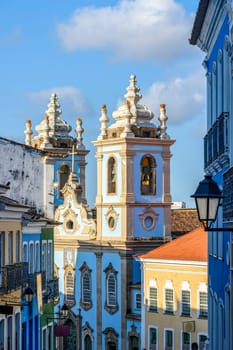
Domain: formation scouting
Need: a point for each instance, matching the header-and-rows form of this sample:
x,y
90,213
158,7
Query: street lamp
x,y
28,295
207,198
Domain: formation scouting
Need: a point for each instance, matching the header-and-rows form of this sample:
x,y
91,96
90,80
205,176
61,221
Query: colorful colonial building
x,y
212,33
174,293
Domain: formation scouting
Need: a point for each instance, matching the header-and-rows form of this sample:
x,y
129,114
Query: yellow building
x,y
174,287
12,271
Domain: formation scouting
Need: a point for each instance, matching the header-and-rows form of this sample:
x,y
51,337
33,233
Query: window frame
x,y
169,304
111,307
185,304
151,346
85,289
203,307
69,297
167,346
155,299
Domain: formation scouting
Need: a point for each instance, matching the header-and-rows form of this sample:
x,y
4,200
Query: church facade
x,y
100,278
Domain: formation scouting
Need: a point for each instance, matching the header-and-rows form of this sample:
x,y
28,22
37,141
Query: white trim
x,y
174,262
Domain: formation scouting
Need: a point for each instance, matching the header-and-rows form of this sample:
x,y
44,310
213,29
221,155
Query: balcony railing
x,y
13,276
216,141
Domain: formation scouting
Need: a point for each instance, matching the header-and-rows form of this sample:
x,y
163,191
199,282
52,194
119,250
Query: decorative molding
x,y
111,217
148,218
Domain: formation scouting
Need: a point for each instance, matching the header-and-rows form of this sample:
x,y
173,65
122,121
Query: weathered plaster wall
x,y
22,168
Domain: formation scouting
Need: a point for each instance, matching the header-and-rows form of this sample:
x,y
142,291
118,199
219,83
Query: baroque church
x,y
95,250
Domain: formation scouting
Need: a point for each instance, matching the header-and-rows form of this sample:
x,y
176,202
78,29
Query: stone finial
x,y
28,132
163,119
103,120
46,142
79,132
133,95
127,130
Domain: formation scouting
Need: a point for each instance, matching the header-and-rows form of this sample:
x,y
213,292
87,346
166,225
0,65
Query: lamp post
x,y
207,198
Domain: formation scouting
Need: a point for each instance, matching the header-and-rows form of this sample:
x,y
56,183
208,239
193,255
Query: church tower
x,y
133,205
133,172
54,140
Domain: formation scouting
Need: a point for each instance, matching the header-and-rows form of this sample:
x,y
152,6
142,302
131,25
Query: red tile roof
x,y
191,246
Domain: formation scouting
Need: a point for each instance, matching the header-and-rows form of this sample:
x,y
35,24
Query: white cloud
x,y
133,29
184,97
71,100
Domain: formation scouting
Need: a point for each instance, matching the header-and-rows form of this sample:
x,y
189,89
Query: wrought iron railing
x,y
13,276
216,141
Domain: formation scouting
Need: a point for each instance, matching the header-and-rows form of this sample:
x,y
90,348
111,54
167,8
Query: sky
x,y
85,51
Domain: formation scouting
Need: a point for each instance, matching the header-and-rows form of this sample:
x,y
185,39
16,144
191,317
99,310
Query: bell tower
x,y
133,172
54,140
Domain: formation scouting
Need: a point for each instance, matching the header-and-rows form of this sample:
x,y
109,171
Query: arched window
x,y
148,175
31,257
85,301
87,342
63,173
87,336
69,286
112,175
86,287
111,290
111,304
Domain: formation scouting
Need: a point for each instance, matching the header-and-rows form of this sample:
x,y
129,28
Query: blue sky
x,y
85,51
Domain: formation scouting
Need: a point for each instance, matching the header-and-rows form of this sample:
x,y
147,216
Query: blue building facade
x,y
212,34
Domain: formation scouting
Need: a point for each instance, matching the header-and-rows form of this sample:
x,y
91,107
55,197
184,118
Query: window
x,y
201,341
25,252
44,257
37,257
186,341
70,225
85,300
87,342
63,174
2,323
9,333
153,339
185,303
153,299
17,246
69,285
168,339
111,175
10,248
31,257
148,175
203,304
169,302
1,255
111,304
86,287
111,339
87,336
138,301
50,263
111,290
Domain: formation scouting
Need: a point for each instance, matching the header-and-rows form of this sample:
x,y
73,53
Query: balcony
x,y
216,144
12,277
